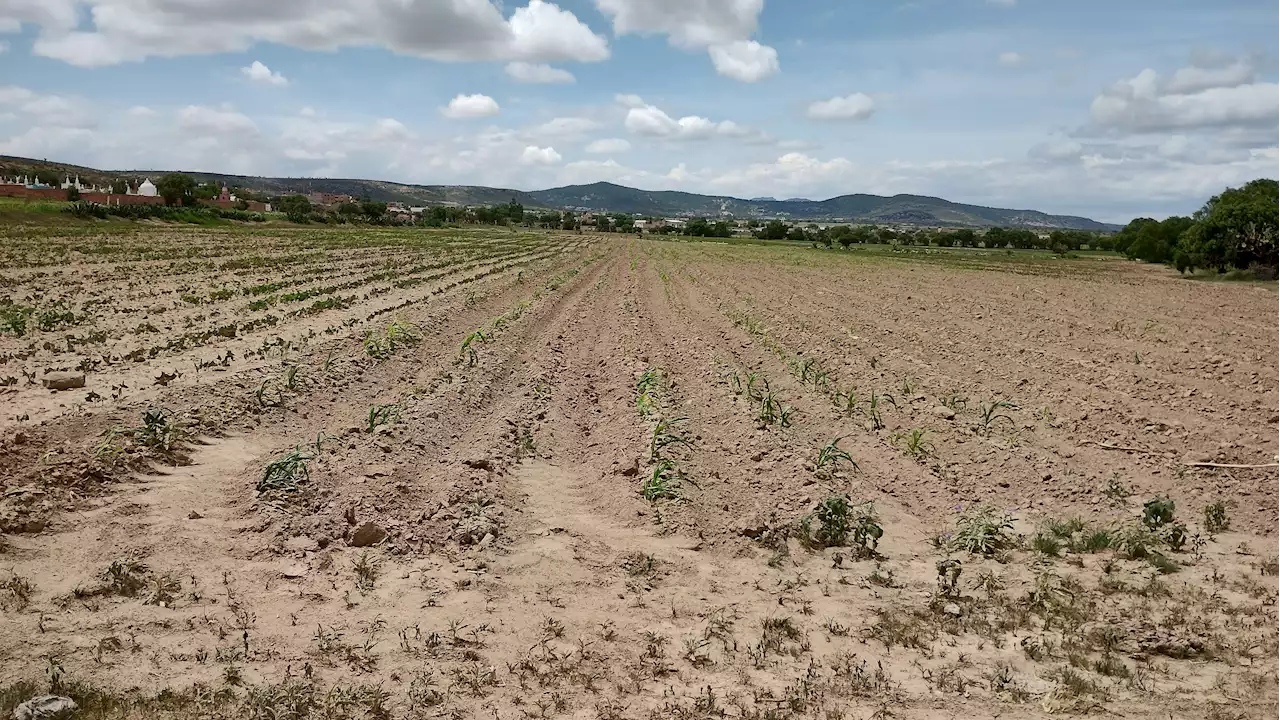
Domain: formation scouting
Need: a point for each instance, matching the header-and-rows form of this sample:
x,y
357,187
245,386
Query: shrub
x,y
1157,512
982,532
1215,517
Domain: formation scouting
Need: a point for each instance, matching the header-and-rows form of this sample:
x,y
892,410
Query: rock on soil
x,y
45,707
944,412
63,380
479,463
368,534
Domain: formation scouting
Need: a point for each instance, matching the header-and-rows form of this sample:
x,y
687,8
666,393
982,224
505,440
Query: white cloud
x,y
537,73
4,46
259,73
645,119
453,30
471,106
390,130
1010,59
534,155
141,111
1193,98
857,106
206,120
629,100
608,146
43,109
794,172
744,60
1194,79
723,27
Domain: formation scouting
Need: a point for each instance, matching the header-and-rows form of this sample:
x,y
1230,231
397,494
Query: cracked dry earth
x,y
484,548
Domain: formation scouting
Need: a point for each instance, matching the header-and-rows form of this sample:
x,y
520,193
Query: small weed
x,y
1215,518
1157,512
367,569
662,437
982,532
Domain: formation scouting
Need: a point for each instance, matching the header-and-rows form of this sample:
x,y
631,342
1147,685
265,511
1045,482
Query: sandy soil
x,y
485,549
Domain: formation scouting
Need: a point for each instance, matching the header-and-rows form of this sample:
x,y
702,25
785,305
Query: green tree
x,y
1237,229
964,238
774,230
73,193
373,210
995,238
515,212
295,207
842,234
119,186
177,189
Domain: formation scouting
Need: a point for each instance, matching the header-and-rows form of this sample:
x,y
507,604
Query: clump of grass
x,y
126,577
983,531
286,472
1157,512
398,334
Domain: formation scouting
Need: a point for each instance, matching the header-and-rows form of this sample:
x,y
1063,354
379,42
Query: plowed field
x,y
507,475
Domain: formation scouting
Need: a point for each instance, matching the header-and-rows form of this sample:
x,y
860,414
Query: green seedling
x,y
646,387
913,443
830,457
953,402
838,523
266,399
663,482
773,411
872,410
286,473
1157,512
291,380
908,388
661,437
988,414
468,352
381,415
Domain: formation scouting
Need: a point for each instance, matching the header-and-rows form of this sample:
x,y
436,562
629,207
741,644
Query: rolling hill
x,y
608,197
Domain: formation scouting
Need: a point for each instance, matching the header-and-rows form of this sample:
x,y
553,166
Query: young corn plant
x,y
663,482
773,411
468,353
846,402
953,402
914,444
268,396
872,409
381,415
646,391
662,437
286,472
830,457
989,414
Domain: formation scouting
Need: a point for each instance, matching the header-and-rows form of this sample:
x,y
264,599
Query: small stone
x,y
374,471
630,469
294,572
63,380
945,413
368,534
479,463
952,609
193,515
46,707
487,540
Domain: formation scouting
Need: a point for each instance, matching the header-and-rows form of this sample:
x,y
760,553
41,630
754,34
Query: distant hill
x,y
608,197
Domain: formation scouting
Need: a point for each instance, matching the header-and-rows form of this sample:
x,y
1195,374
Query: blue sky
x,y
1105,109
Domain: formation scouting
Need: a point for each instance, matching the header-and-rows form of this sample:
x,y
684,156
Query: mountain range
x,y
608,197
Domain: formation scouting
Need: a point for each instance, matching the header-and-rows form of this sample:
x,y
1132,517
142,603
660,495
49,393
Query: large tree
x,y
1237,229
177,189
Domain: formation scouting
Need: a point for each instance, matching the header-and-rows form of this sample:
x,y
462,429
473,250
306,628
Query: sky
x,y
1110,110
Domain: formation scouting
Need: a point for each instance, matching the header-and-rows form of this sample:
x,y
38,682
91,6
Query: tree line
x,y
1234,230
